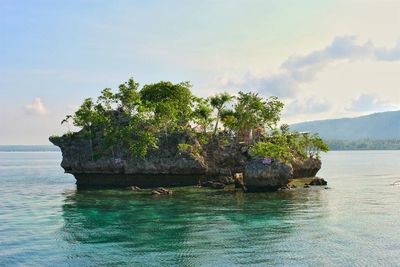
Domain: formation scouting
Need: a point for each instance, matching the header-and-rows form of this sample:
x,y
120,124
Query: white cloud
x,y
297,70
344,78
341,48
369,103
36,107
280,85
306,106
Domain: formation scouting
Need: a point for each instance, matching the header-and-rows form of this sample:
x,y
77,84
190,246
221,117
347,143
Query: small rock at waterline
x,y
318,181
286,188
135,188
161,191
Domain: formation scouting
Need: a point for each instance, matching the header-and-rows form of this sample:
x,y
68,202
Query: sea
x,y
46,221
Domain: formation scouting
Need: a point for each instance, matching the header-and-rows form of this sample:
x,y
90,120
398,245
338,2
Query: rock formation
x,y
266,177
318,181
167,166
305,168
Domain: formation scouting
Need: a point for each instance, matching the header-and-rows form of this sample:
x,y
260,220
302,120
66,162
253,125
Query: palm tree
x,y
218,102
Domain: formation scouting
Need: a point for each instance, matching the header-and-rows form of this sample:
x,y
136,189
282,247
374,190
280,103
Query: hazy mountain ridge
x,y
377,126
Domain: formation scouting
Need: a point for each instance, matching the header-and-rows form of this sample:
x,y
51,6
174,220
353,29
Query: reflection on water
x,y
193,226
45,221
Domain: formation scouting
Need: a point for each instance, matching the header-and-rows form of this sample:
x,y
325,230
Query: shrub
x,y
271,150
184,148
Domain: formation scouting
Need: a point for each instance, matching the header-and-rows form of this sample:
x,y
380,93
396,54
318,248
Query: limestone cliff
x,y
164,166
91,165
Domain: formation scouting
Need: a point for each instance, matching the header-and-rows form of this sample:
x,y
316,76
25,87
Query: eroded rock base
x,y
90,180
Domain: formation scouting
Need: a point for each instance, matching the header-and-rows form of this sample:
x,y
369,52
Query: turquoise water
x,y
45,221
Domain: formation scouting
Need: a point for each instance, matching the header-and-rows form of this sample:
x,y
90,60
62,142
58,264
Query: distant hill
x,y
377,126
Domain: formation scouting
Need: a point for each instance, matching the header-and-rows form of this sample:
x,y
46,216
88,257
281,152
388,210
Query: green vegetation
x,y
272,150
119,120
136,118
251,112
218,102
171,104
185,148
285,145
202,114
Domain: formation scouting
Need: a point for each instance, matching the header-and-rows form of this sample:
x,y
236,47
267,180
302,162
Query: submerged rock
x,y
259,177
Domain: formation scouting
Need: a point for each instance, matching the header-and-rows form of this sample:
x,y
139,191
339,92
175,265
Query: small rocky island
x,y
163,135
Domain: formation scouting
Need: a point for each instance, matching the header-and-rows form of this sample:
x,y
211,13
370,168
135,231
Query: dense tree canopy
x,y
134,118
171,103
251,112
202,113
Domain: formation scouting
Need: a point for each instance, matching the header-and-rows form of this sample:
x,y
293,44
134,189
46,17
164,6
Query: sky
x,y
323,59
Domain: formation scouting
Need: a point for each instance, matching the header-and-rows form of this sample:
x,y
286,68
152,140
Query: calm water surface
x,y
45,221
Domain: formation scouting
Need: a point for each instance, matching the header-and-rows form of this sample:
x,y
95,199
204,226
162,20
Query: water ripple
x,y
46,221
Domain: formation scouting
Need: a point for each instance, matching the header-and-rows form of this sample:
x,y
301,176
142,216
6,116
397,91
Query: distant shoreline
x,y
364,144
29,148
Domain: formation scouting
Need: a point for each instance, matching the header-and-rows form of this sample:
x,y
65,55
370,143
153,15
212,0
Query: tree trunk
x,y
216,124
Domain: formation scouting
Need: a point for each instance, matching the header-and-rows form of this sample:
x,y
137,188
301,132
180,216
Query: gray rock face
x,y
259,177
162,167
79,157
306,168
165,166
